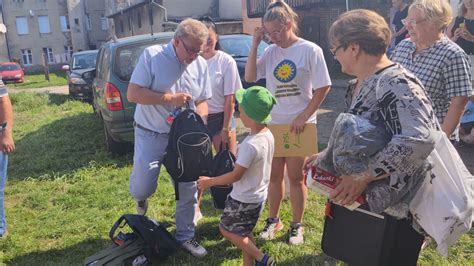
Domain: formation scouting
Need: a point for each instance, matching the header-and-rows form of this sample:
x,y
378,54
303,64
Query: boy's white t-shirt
x,y
225,80
255,153
292,74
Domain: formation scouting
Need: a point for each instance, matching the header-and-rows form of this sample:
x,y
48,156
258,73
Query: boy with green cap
x,y
250,177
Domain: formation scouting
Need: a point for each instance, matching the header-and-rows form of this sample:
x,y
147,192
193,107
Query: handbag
x,y
443,206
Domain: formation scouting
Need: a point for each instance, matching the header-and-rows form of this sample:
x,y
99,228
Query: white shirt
x,y
292,74
160,70
225,80
256,154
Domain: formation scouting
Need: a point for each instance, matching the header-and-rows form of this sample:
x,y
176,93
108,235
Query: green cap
x,y
257,103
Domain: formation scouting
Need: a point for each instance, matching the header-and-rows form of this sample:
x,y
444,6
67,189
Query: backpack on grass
x,y
189,150
148,238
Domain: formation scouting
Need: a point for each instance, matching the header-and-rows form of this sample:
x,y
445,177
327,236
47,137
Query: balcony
x,y
257,8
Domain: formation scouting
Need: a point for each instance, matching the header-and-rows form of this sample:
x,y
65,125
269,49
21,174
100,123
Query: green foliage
x,y
65,192
38,80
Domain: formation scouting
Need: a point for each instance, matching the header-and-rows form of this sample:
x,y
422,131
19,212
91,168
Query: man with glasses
x,y
7,146
166,77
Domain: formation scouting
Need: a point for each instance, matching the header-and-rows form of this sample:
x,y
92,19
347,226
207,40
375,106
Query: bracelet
x,y
226,129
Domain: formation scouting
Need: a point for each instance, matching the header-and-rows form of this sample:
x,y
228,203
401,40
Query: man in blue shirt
x,y
7,146
166,77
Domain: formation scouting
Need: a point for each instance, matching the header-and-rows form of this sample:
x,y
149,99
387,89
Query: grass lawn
x,y
37,80
65,192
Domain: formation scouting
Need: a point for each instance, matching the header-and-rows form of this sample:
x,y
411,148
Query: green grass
x,y
65,192
37,80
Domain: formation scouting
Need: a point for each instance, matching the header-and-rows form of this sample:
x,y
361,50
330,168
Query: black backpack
x,y
189,151
223,163
149,238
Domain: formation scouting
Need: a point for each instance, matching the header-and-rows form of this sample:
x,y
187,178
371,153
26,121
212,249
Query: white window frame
x,y
22,25
68,51
43,24
104,23
49,55
64,21
27,57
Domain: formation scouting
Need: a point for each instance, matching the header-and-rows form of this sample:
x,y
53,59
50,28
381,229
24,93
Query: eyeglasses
x,y
334,51
412,22
276,33
190,51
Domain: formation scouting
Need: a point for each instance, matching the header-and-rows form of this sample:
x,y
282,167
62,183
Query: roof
x,y
127,9
143,37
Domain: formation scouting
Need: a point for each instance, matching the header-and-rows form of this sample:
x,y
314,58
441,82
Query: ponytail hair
x,y
281,11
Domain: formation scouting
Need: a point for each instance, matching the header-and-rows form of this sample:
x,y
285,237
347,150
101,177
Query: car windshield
x,y
9,67
127,58
240,46
83,61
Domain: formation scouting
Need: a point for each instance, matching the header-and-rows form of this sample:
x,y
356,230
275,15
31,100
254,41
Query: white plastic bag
x,y
443,206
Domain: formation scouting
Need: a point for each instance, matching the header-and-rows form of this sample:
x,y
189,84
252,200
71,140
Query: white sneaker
x,y
194,248
270,229
142,207
296,235
197,216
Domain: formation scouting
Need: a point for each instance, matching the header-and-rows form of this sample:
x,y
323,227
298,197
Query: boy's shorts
x,y
240,218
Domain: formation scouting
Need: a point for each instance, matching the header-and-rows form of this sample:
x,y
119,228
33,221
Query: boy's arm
x,y
225,179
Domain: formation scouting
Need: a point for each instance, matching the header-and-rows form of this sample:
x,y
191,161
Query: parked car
x,y
12,72
80,62
238,46
115,63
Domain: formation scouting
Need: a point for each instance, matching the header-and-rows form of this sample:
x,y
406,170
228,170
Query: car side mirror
x,y
65,68
88,76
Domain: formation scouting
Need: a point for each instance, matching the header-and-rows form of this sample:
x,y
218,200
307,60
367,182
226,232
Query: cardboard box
x,y
288,144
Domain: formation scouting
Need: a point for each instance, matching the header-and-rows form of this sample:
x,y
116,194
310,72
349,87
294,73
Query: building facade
x,y
41,32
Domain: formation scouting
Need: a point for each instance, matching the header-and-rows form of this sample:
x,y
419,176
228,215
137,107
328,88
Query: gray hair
x,y
193,28
437,12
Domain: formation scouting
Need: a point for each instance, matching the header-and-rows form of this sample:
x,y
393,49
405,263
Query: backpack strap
x,y
176,189
116,254
114,228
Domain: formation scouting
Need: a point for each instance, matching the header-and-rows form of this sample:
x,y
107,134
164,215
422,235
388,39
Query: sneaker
x,y
296,234
270,229
197,216
194,248
142,207
426,242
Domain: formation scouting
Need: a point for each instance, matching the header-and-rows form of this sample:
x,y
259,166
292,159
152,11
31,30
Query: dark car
x,y
80,62
11,72
238,46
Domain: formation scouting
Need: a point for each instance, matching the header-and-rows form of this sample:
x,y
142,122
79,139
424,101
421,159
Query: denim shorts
x,y
240,218
215,123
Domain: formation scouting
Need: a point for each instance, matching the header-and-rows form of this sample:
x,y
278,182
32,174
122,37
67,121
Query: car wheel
x,y
115,147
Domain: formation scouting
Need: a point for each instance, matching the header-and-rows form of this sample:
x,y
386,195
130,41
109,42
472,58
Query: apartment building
x,y
3,39
42,32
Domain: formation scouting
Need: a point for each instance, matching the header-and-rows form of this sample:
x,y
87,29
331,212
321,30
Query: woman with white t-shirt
x,y
297,77
225,80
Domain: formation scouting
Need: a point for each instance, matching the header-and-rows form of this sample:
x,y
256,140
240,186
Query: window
x,y
49,54
22,25
26,57
127,58
88,22
104,23
43,23
68,52
76,21
64,20
121,26
139,20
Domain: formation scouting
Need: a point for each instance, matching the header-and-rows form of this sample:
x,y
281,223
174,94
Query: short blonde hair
x,y
364,27
193,28
437,12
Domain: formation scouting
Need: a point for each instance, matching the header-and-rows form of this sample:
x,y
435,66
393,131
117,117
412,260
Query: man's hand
x,y
180,99
204,182
348,190
6,143
310,162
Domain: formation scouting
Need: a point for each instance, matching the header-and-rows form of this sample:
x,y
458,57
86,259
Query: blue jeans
x,y
3,181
